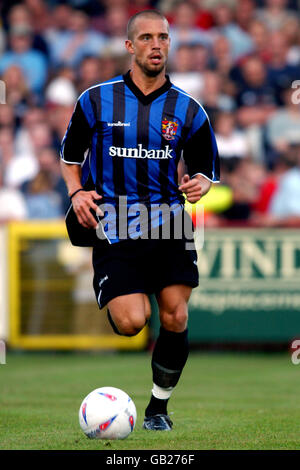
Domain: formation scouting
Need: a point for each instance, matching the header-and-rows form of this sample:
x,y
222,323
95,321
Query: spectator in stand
x,y
12,204
58,32
7,117
189,65
21,14
214,97
232,142
34,115
261,206
116,19
110,66
40,14
201,55
42,200
135,6
284,209
60,92
260,37
291,31
7,147
59,117
275,14
240,41
61,96
255,102
89,73
68,72
245,179
183,74
283,128
40,136
32,62
255,98
48,162
17,93
78,43
98,20
2,38
204,18
183,29
15,168
24,165
281,74
221,60
245,14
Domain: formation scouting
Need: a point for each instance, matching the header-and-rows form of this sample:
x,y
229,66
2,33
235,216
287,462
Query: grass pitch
x,y
223,401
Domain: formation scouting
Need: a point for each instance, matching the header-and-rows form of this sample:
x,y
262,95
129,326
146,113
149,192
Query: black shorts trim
x,y
185,282
110,296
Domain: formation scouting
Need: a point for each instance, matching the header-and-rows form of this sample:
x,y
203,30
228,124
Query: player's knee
x,y
131,326
175,320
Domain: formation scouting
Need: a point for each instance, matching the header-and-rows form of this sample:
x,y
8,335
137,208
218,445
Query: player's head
x,y
148,41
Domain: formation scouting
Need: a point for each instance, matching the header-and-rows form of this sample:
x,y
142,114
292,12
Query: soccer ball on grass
x,y
107,413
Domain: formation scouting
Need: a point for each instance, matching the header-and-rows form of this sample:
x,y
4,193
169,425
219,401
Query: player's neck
x,y
147,84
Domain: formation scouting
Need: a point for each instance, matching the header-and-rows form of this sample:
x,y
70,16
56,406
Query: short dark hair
x,y
130,24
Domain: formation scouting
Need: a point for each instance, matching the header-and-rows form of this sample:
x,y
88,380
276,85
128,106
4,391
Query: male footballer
x,y
127,135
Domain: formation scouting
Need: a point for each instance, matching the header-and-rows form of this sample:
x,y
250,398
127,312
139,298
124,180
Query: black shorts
x,y
141,265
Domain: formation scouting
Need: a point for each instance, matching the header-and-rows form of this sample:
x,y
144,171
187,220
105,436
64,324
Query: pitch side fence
x,y
50,298
249,290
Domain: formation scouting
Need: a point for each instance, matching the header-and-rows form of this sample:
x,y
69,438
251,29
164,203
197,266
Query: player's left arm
x,y
201,156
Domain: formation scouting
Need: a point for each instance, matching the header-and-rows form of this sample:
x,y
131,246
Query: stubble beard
x,y
150,72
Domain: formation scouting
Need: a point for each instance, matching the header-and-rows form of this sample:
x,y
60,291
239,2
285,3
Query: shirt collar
x,y
146,99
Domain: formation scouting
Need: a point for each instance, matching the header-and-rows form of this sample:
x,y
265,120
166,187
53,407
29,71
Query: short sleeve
x,y
77,138
200,150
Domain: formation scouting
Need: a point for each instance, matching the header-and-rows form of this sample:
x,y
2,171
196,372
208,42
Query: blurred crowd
x,y
240,59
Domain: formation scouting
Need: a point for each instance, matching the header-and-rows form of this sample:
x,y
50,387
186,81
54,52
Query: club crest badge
x,y
169,129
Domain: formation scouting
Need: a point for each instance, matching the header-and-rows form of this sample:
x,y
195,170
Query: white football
x,y
107,413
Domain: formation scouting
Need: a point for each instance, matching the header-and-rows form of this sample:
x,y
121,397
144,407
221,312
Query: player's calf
x,y
169,355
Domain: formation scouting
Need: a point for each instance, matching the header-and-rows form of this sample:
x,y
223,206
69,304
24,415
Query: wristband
x,y
75,192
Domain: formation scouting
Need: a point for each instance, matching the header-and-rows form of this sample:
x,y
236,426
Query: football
x,y
107,413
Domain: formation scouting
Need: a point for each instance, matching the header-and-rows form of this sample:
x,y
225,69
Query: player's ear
x,y
129,46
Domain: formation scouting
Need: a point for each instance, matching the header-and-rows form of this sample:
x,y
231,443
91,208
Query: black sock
x,y
169,357
156,406
168,360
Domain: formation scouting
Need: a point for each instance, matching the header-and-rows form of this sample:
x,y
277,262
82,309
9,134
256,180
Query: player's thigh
x,y
118,273
173,310
132,308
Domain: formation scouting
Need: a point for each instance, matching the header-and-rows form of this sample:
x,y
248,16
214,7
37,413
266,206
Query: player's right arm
x,y
75,143
82,201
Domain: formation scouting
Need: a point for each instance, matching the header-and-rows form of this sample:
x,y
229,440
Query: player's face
x,y
150,45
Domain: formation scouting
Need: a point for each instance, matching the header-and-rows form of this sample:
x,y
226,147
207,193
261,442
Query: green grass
x,y
223,401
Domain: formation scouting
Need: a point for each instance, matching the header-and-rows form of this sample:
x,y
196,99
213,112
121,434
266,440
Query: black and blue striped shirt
x,y
131,143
